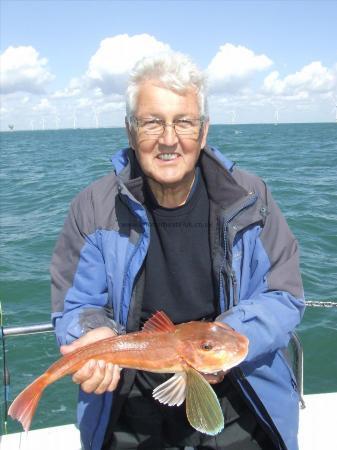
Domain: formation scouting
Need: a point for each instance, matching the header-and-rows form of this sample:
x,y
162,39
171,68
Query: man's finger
x,y
85,372
115,378
108,379
91,384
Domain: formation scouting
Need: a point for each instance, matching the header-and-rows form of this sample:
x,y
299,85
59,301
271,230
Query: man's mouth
x,y
168,156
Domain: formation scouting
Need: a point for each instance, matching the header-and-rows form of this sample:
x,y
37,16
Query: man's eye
x,y
152,123
184,123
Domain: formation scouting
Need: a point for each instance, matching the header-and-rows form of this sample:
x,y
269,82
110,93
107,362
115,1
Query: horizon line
x,y
123,127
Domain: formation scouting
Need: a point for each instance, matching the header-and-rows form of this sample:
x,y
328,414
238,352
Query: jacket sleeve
x,y
78,276
271,301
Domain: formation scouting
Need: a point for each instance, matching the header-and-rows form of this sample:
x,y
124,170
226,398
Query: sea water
x,y
41,171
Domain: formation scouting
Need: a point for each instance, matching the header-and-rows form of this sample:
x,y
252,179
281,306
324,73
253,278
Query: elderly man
x,y
177,228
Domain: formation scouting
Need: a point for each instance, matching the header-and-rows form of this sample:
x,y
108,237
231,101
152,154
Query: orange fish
x,y
187,350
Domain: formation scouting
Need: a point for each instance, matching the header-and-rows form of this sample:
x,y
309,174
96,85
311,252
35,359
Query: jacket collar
x,y
221,186
216,169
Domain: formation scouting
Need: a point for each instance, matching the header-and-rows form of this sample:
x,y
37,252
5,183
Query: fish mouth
x,y
235,363
227,366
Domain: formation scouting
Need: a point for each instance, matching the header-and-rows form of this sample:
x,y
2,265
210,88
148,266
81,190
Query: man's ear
x,y
204,133
130,133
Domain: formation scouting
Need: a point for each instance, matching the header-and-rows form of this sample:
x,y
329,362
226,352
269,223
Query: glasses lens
x,y
187,126
152,126
156,126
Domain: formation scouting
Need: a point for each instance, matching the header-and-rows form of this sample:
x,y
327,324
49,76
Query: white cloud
x,y
113,106
22,70
101,88
43,106
313,78
109,67
84,102
96,97
76,87
233,66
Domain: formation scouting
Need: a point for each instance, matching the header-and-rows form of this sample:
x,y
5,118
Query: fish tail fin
x,y
24,406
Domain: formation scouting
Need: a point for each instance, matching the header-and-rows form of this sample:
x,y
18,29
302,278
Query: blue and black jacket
x,y
100,254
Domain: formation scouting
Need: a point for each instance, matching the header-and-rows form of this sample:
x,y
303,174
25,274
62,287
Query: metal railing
x,y
29,329
295,347
297,365
15,331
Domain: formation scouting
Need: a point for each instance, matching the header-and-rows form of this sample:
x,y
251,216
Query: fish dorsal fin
x,y
202,405
158,323
173,391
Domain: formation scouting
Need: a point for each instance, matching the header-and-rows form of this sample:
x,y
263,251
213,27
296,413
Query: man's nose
x,y
169,136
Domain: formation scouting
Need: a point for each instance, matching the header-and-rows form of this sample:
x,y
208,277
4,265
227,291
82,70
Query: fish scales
x,y
126,351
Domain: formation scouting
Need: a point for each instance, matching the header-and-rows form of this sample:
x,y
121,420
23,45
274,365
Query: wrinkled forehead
x,y
156,99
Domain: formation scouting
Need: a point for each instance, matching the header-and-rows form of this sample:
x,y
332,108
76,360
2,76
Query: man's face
x,y
154,153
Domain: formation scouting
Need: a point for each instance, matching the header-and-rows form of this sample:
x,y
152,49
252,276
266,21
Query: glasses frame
x,y
164,124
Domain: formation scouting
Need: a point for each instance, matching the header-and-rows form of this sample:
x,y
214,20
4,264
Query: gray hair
x,y
174,70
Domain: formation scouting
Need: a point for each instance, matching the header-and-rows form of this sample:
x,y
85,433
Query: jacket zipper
x,y
135,250
235,288
121,319
245,205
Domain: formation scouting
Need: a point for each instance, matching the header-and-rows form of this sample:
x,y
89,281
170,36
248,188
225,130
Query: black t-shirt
x,y
178,267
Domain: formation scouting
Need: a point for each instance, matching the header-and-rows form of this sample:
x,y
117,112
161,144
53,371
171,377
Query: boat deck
x,y
317,430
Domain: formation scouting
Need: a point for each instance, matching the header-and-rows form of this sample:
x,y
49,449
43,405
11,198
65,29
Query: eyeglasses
x,y
157,127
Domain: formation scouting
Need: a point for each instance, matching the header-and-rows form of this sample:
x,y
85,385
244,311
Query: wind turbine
x,y
74,119
57,122
32,125
233,113
276,117
43,123
96,116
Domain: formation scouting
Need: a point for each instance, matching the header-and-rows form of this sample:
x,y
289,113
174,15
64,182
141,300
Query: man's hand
x,y
96,375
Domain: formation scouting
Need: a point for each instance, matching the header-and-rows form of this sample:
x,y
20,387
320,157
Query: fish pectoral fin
x,y
173,391
202,405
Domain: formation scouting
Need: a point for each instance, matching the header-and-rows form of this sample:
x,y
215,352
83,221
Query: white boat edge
x,y
317,430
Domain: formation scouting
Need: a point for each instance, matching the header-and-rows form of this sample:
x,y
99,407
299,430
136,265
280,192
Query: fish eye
x,y
206,346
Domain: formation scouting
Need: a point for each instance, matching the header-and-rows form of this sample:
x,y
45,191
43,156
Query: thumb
x,y
91,336
65,349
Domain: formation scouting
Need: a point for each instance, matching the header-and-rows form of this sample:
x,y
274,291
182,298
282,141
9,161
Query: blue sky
x,y
288,50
